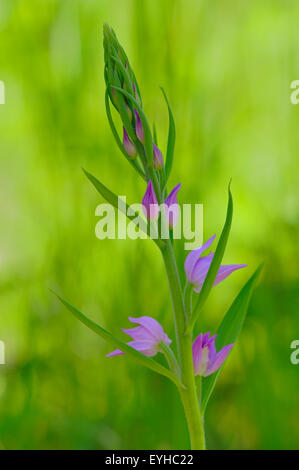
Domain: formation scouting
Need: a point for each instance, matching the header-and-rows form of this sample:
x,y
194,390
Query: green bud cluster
x,y
122,91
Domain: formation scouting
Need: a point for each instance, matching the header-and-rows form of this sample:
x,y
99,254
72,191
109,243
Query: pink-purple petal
x,y
205,358
148,348
172,196
151,325
172,208
139,128
117,352
196,352
129,145
226,270
197,267
212,350
139,333
192,258
150,204
200,270
158,158
147,337
219,359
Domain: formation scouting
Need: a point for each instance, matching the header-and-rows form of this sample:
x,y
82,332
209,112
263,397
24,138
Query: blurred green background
x,y
227,68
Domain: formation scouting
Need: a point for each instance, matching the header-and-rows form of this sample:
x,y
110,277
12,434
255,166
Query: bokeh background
x,y
227,68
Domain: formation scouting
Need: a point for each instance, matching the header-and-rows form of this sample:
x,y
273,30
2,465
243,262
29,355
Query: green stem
x,y
188,294
189,397
184,345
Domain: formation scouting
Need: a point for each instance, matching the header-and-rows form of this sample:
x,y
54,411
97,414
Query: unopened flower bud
x,y
150,204
172,207
158,158
139,128
115,75
129,145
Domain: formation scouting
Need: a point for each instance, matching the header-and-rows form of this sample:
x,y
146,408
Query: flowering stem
x,y
184,345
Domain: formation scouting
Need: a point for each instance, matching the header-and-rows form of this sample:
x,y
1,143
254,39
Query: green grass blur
x,y
227,68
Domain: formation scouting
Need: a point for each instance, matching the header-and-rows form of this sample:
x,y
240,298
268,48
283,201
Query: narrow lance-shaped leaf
x,y
148,140
136,355
215,265
228,331
123,207
171,139
132,162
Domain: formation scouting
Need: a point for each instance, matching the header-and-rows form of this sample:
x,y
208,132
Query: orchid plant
x,y
194,364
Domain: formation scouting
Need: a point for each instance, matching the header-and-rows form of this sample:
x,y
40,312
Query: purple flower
x,y
129,145
205,358
150,204
171,206
158,158
139,128
197,267
147,337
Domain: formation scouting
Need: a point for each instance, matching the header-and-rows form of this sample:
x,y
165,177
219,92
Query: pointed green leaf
x,y
112,198
215,265
171,139
117,343
228,331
